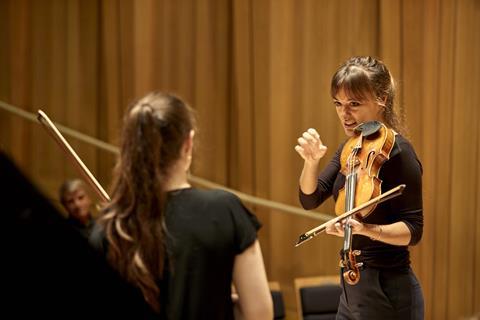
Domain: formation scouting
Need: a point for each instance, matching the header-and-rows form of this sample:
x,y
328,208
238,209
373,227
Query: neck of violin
x,y
350,184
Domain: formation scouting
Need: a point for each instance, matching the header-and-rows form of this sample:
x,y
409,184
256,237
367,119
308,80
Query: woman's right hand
x,y
336,229
310,147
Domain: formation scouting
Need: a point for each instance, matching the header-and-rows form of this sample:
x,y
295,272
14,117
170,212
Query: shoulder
x,y
213,199
213,196
402,145
340,147
338,153
227,201
404,152
403,142
226,196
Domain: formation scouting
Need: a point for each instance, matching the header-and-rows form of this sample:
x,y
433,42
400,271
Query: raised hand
x,y
310,147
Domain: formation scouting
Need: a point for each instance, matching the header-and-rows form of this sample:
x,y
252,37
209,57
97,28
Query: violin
x,y
361,159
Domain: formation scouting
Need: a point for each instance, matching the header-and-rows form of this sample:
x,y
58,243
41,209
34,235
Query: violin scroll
x,y
352,273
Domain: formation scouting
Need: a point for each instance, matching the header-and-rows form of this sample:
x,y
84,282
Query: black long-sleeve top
x,y
403,167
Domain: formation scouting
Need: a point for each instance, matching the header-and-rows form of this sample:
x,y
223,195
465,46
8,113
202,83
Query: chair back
x,y
277,298
317,297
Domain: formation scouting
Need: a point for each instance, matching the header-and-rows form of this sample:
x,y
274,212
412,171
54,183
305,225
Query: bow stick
x,y
68,150
392,193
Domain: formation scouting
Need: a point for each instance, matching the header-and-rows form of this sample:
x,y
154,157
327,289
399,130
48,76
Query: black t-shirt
x,y
403,167
206,230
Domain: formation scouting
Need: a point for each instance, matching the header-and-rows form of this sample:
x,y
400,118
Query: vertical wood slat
x,y
211,109
143,53
90,76
391,42
42,74
127,56
412,53
5,130
110,84
73,116
465,113
256,87
282,76
429,145
413,93
58,105
476,73
316,111
441,216
5,75
241,173
20,64
260,36
245,118
4,62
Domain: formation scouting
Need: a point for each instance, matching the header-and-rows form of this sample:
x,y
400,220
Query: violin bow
x,y
68,150
310,234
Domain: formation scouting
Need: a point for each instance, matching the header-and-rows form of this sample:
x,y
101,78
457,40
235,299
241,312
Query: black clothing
x,y
49,270
84,230
403,167
387,289
206,229
393,295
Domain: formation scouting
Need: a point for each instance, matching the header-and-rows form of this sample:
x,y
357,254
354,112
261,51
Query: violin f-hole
x,y
369,157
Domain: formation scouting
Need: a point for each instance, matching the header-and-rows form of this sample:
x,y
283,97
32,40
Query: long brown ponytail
x,y
154,130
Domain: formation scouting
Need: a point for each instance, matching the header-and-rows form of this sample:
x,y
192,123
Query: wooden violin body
x,y
361,159
369,153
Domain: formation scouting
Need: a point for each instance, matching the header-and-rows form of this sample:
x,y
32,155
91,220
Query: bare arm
x,y
250,280
308,177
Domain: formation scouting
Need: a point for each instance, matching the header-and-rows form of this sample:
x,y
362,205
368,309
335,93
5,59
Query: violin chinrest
x,y
368,128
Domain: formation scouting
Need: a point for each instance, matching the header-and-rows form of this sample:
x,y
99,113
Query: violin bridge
x,y
354,165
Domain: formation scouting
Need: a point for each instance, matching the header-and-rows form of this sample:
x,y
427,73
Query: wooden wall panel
x,y
390,40
258,74
42,71
242,107
284,90
429,145
261,154
125,26
412,88
464,165
110,93
210,76
440,216
316,51
475,134
5,66
143,46
20,82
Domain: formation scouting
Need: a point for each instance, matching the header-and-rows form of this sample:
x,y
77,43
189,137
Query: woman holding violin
x,y
377,280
